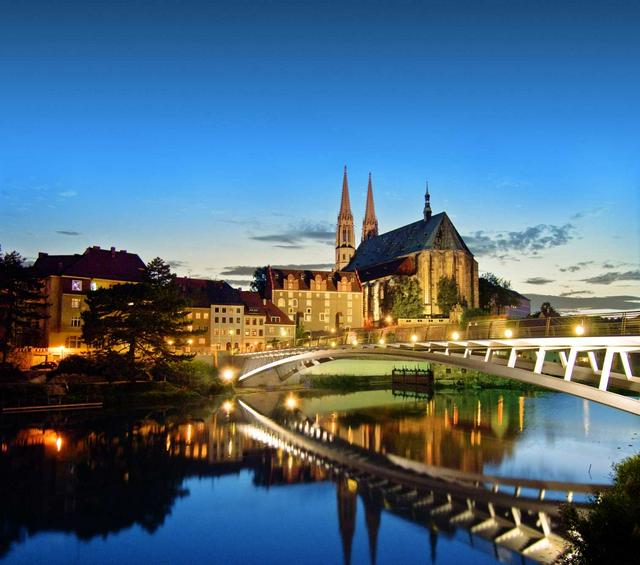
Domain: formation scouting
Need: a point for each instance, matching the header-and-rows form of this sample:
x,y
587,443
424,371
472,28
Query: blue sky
x,y
192,130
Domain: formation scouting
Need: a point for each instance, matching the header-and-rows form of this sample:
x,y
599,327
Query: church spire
x,y
370,223
427,204
345,235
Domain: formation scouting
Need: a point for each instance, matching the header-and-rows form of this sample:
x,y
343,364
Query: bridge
x,y
579,365
511,515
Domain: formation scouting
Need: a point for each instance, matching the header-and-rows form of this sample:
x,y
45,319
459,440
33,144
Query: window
x,y
189,315
237,310
308,310
307,317
254,322
189,328
93,285
246,333
253,333
292,310
271,329
224,319
237,331
247,321
205,315
260,332
75,303
215,332
294,302
73,342
76,322
238,320
201,340
275,319
281,302
322,317
216,309
216,320
224,310
197,315
349,319
76,286
261,322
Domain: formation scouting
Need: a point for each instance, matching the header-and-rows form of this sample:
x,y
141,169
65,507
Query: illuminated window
x,y
253,332
76,286
189,316
76,322
237,320
197,315
281,302
205,315
246,332
93,285
75,303
201,340
73,342
322,317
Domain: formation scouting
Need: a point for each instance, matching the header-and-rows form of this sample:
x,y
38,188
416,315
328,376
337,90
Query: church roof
x,y
436,233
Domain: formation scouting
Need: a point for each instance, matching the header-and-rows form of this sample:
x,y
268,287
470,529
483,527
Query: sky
x,y
214,134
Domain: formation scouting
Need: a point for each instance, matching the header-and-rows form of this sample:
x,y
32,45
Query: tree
x,y
259,282
403,298
22,303
610,531
138,320
496,293
448,295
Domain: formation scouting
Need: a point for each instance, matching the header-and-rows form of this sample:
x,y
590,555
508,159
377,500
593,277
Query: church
x,y
428,249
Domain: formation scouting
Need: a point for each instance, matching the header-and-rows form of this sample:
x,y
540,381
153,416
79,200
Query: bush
x,y
610,531
76,365
9,373
196,375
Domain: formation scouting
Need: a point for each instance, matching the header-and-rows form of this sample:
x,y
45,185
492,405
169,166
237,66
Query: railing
x,y
610,324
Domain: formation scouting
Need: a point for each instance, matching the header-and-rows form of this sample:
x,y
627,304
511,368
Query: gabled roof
x,y
202,293
277,278
94,263
436,233
255,305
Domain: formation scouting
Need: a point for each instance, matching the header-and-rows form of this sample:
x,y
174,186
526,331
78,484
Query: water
x,y
186,487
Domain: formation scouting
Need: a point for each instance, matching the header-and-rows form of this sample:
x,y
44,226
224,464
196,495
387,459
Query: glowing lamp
x,y
580,329
227,406
381,341
455,336
189,341
508,333
414,338
291,402
227,375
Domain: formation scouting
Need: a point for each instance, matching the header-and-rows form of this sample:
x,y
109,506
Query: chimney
x,y
113,252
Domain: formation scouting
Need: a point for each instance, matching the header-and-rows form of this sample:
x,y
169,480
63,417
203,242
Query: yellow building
x,y
68,279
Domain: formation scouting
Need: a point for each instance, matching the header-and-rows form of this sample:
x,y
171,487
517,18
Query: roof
x,y
202,293
436,233
305,278
402,266
94,263
255,305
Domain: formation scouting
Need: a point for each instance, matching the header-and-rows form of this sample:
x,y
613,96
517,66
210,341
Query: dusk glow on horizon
x,y
214,134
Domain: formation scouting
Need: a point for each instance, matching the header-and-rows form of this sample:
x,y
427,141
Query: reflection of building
x,y
69,278
346,490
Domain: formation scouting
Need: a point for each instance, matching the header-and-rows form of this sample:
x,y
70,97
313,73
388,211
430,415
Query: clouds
x,y
247,271
68,232
538,280
297,235
575,293
529,241
576,267
614,276
67,194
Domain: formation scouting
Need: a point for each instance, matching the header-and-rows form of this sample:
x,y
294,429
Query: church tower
x,y
370,223
345,235
427,205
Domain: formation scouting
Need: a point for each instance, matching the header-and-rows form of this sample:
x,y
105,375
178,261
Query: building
x,y
319,301
428,250
227,319
68,279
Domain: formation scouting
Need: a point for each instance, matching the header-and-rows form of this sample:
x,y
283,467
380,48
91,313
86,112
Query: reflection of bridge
x,y
582,366
510,514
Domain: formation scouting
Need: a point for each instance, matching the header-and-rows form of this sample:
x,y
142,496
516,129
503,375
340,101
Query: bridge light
x,y
228,374
381,341
291,402
355,341
508,333
227,406
414,338
580,329
333,344
455,336
333,330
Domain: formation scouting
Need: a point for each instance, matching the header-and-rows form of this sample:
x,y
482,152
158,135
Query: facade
x,y
227,319
320,301
68,279
428,250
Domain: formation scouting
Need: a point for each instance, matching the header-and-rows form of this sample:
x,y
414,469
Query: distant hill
x,y
585,302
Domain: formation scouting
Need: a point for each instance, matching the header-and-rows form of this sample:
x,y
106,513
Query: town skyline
x,y
217,138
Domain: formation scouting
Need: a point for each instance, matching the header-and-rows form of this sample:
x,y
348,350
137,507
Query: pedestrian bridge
x,y
601,369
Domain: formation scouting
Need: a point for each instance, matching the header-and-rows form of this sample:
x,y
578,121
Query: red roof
x,y
94,263
256,306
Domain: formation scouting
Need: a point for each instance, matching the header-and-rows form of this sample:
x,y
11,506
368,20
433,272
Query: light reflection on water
x,y
174,488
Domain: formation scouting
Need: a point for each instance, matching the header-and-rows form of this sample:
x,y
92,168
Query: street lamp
x,y
228,374
291,402
508,333
455,336
381,341
580,329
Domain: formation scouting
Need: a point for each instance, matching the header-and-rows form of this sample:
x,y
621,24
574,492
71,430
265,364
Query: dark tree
x,y
259,282
448,295
496,293
22,303
138,320
403,298
610,531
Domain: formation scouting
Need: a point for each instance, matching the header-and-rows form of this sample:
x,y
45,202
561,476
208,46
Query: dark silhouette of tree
x,y
22,303
403,298
448,295
138,320
495,293
259,282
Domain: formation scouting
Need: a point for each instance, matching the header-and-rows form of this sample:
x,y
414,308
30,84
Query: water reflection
x,y
93,478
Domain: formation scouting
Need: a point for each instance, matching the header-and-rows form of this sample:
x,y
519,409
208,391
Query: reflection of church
x,y
426,250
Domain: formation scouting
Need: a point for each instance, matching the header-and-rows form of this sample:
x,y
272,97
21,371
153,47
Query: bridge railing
x,y
609,324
